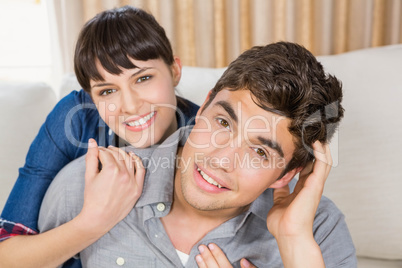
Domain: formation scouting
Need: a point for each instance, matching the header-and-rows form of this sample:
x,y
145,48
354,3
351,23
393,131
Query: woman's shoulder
x,y
186,112
75,103
75,98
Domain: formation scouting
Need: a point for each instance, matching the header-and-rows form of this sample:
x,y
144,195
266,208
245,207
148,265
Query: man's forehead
x,y
242,102
254,122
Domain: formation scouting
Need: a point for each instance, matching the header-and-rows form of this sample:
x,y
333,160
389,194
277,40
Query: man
x,y
214,184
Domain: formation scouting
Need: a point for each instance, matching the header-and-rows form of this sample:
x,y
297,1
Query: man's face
x,y
235,151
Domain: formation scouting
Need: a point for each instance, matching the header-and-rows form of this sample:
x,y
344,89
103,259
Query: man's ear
x,y
176,71
203,105
286,178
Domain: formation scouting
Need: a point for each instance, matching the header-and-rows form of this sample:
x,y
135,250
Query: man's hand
x,y
213,257
112,192
291,218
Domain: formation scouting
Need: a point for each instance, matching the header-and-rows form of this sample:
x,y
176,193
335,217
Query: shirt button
x,y
161,207
120,261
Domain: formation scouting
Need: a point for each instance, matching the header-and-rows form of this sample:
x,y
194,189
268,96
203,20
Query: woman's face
x,y
139,104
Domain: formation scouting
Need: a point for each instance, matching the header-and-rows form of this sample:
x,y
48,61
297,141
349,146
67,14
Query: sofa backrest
x,y
23,107
366,184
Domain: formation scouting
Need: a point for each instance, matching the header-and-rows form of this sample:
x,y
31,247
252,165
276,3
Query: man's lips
x,y
211,180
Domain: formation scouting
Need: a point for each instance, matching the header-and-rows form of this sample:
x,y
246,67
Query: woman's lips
x,y
140,123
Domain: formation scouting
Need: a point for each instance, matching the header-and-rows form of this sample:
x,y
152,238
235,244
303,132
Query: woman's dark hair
x,y
115,36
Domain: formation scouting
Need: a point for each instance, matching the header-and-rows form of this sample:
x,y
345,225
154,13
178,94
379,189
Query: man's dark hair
x,y
286,79
114,37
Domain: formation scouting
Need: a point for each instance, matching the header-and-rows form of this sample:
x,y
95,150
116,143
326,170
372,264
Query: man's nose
x,y
224,158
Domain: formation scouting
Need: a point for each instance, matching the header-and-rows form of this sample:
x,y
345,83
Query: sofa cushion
x,y
377,263
23,107
366,184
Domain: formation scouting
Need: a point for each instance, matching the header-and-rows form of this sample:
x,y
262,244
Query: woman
x,y
125,65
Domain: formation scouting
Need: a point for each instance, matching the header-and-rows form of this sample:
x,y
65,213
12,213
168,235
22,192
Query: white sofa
x,y
365,181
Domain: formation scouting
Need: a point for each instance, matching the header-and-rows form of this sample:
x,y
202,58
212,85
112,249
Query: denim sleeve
x,y
60,140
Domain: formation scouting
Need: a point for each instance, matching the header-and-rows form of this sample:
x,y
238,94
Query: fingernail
x,y
198,258
91,143
110,146
246,263
211,246
201,248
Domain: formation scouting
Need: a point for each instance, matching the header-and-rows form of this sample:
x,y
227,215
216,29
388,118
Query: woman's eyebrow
x,y
140,70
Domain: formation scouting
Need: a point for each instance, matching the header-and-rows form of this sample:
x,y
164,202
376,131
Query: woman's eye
x,y
107,92
223,123
143,78
261,152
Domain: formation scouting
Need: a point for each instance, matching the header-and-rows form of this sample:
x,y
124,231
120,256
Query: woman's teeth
x,y
141,121
208,178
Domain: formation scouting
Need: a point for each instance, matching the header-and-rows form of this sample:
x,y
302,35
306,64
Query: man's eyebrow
x,y
272,144
141,70
228,108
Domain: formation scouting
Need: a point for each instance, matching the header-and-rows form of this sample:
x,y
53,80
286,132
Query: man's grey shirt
x,y
140,239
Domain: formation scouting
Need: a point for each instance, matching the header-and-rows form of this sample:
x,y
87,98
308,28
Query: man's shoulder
x,y
328,209
65,196
332,235
72,176
69,184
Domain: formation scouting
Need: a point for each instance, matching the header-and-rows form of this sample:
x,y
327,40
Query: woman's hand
x,y
110,193
291,218
212,256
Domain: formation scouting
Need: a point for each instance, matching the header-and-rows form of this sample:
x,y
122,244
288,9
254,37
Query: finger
x,y
322,152
281,193
323,163
122,156
108,161
244,263
139,170
307,170
200,261
206,258
219,256
92,160
329,157
316,180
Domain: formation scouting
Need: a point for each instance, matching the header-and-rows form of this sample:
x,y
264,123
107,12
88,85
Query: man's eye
x,y
107,92
261,152
223,123
143,78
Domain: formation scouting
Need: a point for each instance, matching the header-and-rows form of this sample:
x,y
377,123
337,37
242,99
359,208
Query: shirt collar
x,y
160,163
263,204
